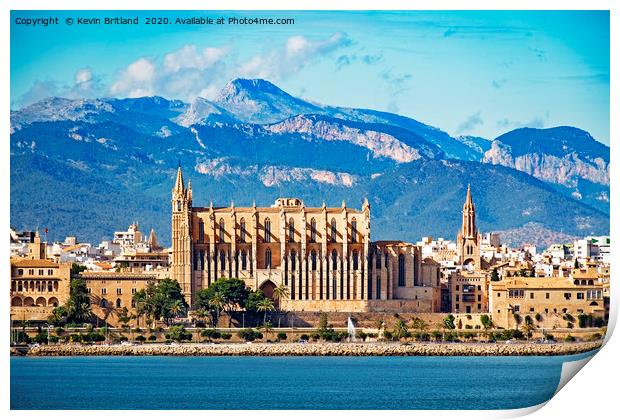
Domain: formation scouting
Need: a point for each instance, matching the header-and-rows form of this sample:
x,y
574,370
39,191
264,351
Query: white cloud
x,y
135,80
296,53
192,71
189,57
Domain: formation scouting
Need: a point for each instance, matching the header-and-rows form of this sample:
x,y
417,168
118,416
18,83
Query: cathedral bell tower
x,y
181,235
468,239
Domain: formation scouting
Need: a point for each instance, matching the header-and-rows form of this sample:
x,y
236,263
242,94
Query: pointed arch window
x,y
354,230
244,260
313,260
201,231
291,230
293,260
334,260
313,230
268,258
118,303
222,231
401,270
355,260
222,260
242,237
267,231
332,236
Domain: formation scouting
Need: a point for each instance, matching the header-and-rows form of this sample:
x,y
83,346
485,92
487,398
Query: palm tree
x,y
528,326
265,305
267,328
280,292
217,301
139,301
176,308
400,329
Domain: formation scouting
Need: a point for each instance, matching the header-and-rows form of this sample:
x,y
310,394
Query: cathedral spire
x,y
469,216
179,185
469,203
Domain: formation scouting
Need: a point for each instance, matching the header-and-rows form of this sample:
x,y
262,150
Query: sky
x,y
479,73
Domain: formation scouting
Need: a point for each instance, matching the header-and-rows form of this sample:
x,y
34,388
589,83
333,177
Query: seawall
x,y
319,349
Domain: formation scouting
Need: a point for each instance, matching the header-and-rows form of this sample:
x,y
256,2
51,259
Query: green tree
x,y
264,306
217,303
232,292
267,328
517,319
400,329
495,274
177,308
419,324
139,301
162,298
123,316
528,326
280,293
448,322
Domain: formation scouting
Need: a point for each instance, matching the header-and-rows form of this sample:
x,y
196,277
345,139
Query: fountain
x,y
351,329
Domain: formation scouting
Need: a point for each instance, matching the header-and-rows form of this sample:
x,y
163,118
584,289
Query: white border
x,y
591,395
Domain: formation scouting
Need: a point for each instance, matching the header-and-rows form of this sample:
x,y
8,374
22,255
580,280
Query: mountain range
x,y
91,166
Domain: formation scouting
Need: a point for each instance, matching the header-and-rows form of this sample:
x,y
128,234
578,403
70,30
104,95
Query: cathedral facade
x,y
322,255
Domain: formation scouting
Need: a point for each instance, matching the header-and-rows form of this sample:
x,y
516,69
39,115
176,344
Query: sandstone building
x,y
322,255
38,285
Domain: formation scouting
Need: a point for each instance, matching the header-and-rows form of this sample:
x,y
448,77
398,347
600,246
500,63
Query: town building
x,y
549,297
322,255
38,285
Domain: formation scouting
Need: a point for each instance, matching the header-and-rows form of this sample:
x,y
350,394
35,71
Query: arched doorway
x,y
41,301
29,301
16,301
267,288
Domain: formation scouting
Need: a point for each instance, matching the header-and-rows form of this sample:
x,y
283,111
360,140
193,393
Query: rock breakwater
x,y
319,349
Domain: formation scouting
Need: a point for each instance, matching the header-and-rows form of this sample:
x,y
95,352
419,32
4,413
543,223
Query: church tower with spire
x,y
182,235
468,239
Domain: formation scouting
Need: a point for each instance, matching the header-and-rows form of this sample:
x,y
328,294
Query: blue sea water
x,y
284,382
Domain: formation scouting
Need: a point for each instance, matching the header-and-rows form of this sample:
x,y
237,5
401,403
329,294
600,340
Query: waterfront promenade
x,y
318,349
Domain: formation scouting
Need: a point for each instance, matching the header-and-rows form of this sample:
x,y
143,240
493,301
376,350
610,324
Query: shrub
x,y
569,338
468,327
40,338
304,337
226,336
22,337
362,335
95,336
152,338
178,333
549,336
281,336
55,338
141,338
59,330
595,336
387,335
538,317
249,334
569,325
211,333
315,336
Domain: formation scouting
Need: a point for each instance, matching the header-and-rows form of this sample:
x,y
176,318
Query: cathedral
x,y
323,256
468,239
